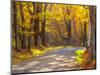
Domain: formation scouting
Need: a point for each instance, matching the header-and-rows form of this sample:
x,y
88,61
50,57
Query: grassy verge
x,y
22,56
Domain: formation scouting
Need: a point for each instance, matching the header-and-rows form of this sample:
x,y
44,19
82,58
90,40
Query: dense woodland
x,y
42,25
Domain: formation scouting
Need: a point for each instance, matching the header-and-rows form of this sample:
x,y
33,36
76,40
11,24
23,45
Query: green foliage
x,y
79,53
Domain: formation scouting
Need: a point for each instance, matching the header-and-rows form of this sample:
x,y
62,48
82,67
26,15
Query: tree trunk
x,y
85,36
69,32
15,24
37,26
68,24
92,13
23,39
31,26
43,27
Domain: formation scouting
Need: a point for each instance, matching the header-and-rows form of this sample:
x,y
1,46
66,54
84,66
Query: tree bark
x,y
69,32
43,27
92,13
31,26
68,25
37,25
23,39
15,24
85,35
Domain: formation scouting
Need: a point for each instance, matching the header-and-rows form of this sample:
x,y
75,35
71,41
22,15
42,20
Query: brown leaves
x,y
88,63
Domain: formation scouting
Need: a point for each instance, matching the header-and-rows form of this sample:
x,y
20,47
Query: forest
x,y
39,28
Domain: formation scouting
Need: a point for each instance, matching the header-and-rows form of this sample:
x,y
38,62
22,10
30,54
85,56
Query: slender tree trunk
x,y
15,24
23,39
29,42
43,33
68,25
31,26
43,27
37,25
69,32
85,36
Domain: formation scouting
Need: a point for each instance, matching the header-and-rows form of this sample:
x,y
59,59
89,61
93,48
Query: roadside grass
x,y
22,56
79,55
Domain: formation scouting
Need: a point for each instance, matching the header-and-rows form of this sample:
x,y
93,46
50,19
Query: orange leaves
x,y
86,57
88,63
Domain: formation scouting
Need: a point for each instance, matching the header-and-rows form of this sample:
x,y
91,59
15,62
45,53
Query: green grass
x,y
79,53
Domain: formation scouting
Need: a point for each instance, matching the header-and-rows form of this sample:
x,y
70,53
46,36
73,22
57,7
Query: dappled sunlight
x,y
53,55
37,52
31,64
20,57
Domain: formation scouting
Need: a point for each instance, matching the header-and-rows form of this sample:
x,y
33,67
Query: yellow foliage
x,y
58,15
79,53
36,52
20,57
79,59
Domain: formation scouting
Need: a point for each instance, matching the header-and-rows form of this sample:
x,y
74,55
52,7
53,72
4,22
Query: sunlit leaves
x,y
55,14
79,55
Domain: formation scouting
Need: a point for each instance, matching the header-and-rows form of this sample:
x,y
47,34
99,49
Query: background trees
x,y
38,25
